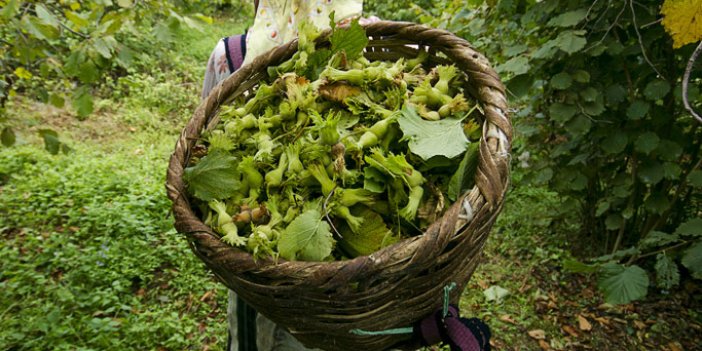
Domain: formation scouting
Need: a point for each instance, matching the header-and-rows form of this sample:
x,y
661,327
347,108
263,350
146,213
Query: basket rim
x,y
492,177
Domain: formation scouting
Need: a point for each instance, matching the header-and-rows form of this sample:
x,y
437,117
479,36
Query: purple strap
x,y
461,334
235,49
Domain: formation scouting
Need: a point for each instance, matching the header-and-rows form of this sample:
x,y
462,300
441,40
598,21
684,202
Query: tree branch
x,y
686,81
638,34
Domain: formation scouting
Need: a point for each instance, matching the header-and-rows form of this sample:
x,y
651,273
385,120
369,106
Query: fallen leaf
x,y
506,318
206,295
495,293
675,346
603,320
584,324
570,331
640,325
544,345
537,334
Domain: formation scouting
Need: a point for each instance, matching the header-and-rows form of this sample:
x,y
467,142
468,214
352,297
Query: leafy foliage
x,y
214,177
622,284
54,45
432,138
600,117
308,238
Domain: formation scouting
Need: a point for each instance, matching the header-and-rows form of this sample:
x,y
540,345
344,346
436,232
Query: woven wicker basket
x,y
321,302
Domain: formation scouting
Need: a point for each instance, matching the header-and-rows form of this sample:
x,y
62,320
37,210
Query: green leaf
x,y
622,284
204,19
125,56
651,172
307,238
656,89
647,142
561,81
671,170
568,19
594,108
571,41
316,62
215,177
692,228
546,51
695,178
615,94
373,180
352,40
46,17
7,137
427,139
40,30
614,221
561,112
83,102
103,47
10,9
657,203
78,20
602,207
51,141
667,275
164,33
124,3
515,50
520,85
575,266
656,239
637,110
581,76
669,150
516,65
614,143
374,236
589,94
464,177
57,100
579,125
692,259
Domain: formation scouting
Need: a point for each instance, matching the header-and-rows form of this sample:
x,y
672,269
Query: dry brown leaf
x,y
603,320
675,346
338,91
570,330
506,318
640,325
584,324
537,334
206,295
544,345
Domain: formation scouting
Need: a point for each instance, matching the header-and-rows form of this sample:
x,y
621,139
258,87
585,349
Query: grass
x,y
90,258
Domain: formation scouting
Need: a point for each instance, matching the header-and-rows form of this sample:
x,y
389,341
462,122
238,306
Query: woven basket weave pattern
x,y
320,302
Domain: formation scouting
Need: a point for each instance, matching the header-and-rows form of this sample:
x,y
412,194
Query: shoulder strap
x,y
235,48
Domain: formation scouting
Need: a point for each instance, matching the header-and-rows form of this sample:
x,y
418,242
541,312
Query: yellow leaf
x,y
75,6
23,73
683,21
